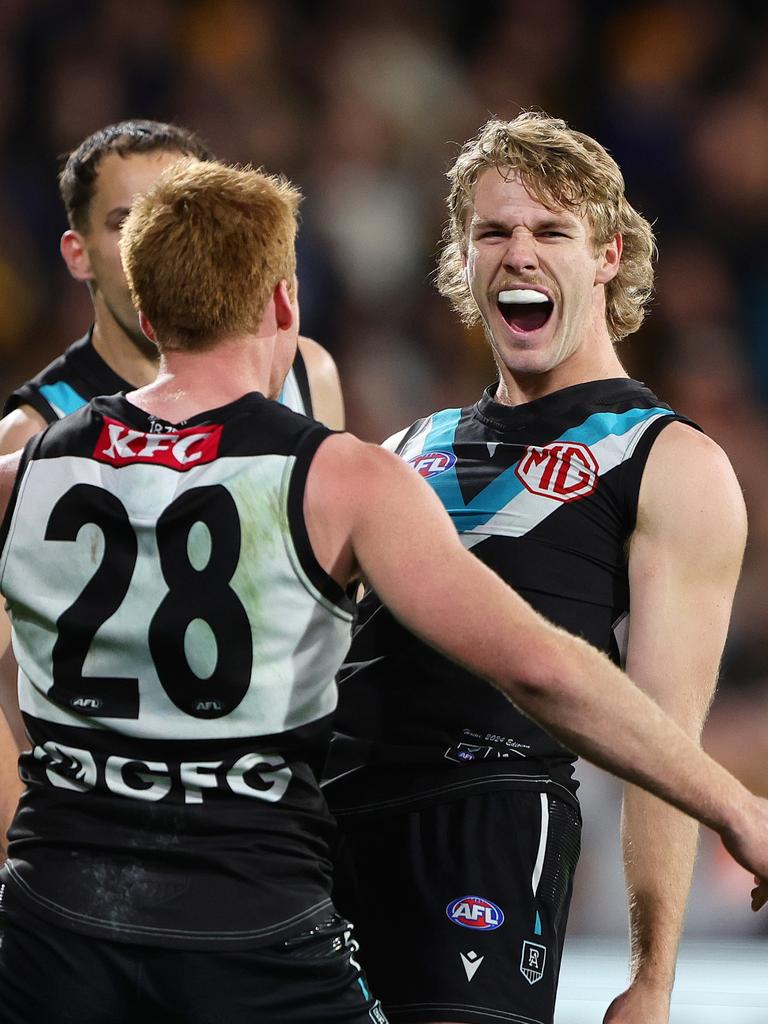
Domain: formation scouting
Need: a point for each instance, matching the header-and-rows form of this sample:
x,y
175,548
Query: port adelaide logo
x,y
532,960
475,912
430,464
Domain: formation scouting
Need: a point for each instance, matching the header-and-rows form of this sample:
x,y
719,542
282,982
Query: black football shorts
x,y
51,974
460,908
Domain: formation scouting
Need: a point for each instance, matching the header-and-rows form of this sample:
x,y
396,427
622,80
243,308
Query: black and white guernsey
x,y
177,643
546,494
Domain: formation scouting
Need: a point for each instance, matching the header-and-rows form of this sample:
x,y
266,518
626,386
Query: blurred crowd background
x,y
364,104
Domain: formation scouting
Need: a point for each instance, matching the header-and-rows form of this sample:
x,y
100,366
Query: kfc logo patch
x,y
565,470
120,445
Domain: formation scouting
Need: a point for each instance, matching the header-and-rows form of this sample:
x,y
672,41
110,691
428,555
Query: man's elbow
x,y
546,675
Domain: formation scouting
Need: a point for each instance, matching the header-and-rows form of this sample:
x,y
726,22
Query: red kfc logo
x,y
565,470
121,445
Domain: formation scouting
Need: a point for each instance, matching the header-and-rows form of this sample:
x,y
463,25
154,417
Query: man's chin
x,y
527,361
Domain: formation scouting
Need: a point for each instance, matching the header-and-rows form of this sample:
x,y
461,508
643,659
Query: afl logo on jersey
x,y
432,463
565,470
475,912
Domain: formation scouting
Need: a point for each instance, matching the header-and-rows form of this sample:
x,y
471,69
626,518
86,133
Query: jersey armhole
x,y
302,380
324,584
28,395
634,467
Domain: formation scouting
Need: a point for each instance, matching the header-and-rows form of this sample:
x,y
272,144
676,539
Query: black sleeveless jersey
x,y
177,645
80,374
545,494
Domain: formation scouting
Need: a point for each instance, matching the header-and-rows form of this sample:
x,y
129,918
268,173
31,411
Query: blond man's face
x,y
535,275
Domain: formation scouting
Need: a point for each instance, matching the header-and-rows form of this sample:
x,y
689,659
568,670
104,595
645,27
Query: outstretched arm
x,y
366,510
684,561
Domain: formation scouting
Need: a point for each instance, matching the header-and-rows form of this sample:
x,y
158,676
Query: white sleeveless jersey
x,y
177,644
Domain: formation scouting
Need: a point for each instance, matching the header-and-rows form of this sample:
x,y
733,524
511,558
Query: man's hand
x,y
747,843
641,1003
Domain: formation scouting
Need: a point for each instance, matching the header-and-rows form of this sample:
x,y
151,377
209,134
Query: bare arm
x,y
367,511
324,384
18,426
15,430
685,557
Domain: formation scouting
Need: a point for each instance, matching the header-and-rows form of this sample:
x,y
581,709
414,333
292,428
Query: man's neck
x,y
520,388
129,358
188,383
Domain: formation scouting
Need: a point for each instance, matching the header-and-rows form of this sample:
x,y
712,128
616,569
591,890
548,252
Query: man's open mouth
x,y
524,309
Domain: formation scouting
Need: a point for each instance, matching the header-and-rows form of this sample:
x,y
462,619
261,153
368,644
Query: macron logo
x,y
471,962
121,445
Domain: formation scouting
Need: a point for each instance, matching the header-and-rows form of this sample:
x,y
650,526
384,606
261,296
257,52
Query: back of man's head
x,y
77,180
205,248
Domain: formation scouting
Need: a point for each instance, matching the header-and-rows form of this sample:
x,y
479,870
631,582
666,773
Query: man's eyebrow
x,y
488,222
554,220
558,220
120,211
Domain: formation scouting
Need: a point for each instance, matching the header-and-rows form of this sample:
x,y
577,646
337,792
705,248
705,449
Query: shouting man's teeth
x,y
518,296
524,309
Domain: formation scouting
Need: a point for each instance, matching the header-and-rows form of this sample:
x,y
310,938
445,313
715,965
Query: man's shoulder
x,y
697,465
438,427
48,392
76,352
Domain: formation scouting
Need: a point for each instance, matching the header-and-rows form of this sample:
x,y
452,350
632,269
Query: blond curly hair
x,y
562,168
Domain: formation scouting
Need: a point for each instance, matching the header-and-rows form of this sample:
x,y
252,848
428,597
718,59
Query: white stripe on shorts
x,y
542,843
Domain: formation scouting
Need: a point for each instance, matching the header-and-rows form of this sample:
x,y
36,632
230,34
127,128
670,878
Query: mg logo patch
x,y
432,463
475,912
532,961
565,470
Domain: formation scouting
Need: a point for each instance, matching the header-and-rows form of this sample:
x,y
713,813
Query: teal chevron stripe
x,y
603,424
506,486
62,397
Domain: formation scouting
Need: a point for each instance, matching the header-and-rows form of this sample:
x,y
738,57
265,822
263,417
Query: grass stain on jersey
x,y
264,533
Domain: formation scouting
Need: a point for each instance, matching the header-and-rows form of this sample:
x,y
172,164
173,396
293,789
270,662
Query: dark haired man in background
x,y
98,184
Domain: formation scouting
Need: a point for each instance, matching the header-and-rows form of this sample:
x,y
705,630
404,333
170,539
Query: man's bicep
x,y
684,561
18,427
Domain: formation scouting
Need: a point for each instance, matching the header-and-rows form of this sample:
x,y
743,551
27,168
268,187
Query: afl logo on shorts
x,y
565,470
432,463
475,912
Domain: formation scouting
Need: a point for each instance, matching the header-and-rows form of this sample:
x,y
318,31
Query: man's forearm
x,y
593,709
659,854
